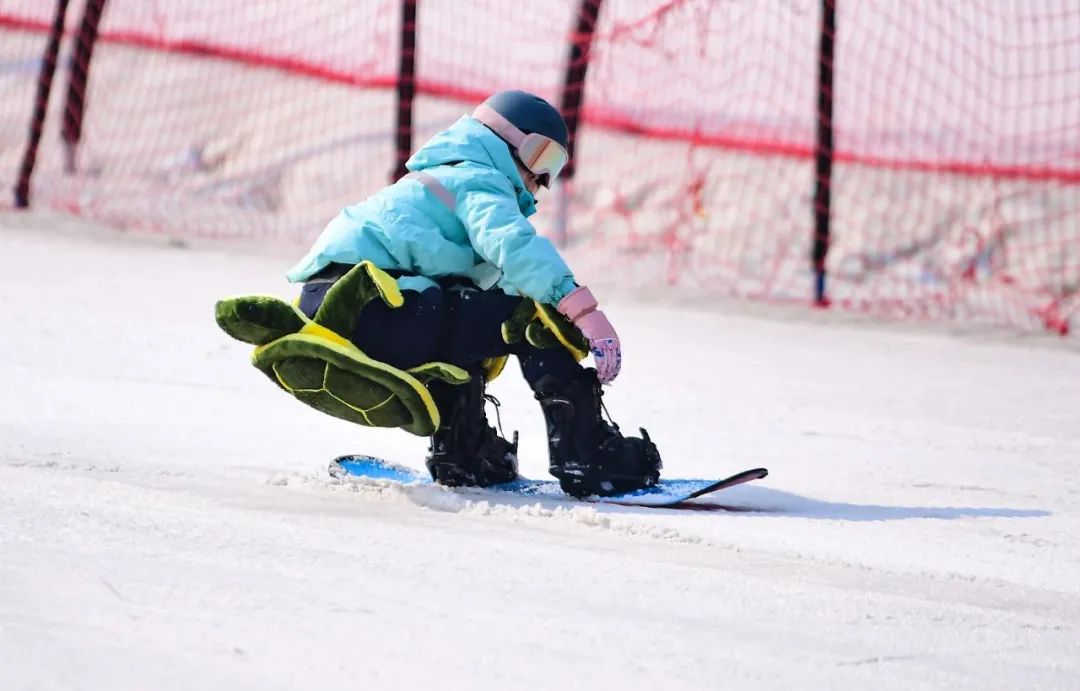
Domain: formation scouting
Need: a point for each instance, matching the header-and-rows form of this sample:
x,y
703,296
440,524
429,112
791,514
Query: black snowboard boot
x,y
466,450
587,453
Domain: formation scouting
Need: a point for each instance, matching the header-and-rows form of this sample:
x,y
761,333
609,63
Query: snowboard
x,y
674,493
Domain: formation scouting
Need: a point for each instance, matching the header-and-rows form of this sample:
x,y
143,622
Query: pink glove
x,y
580,308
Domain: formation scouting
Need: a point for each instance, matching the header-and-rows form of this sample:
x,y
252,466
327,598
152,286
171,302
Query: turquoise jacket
x,y
484,236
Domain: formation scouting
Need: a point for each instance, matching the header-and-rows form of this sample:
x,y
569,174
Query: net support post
x,y
41,105
78,78
823,151
571,99
406,89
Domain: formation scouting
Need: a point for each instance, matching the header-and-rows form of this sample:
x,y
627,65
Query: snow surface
x,y
166,520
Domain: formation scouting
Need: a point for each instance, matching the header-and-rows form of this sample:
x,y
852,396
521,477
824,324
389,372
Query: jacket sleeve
x,y
501,234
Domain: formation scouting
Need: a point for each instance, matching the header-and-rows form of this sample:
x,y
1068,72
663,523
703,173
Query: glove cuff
x,y
579,302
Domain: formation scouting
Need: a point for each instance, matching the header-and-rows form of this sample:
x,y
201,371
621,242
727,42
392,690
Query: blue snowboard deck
x,y
668,493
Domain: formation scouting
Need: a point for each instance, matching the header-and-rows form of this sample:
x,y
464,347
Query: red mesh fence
x,y
955,185
243,120
958,187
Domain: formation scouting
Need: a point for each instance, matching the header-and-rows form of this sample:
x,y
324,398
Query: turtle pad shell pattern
x,y
311,360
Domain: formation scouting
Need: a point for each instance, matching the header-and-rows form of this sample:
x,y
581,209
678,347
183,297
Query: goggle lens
x,y
543,156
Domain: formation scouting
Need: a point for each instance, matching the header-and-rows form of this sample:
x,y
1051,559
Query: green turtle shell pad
x,y
312,360
258,319
347,384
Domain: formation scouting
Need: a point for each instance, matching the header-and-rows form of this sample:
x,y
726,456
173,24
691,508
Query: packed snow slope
x,y
166,520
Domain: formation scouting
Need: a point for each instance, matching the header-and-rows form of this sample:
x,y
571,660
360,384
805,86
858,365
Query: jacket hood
x,y
469,140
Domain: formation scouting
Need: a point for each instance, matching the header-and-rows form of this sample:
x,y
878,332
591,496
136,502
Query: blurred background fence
x,y
924,156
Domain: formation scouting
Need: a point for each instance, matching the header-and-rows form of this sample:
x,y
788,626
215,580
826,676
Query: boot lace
x,y
498,417
612,425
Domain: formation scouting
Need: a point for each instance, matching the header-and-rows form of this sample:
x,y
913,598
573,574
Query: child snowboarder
x,y
454,235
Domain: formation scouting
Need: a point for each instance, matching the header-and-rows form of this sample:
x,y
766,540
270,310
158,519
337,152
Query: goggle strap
x,y
502,127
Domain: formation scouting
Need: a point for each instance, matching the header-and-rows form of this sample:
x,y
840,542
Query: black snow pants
x,y
461,327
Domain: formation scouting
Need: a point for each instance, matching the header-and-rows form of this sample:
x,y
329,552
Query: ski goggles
x,y
544,157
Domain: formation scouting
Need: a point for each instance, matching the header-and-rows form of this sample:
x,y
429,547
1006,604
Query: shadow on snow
x,y
756,500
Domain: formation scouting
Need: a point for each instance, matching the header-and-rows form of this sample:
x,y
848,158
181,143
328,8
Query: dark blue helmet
x,y
530,114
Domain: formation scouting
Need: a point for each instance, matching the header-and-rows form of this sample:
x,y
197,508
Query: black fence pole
x,y
41,105
823,150
78,77
573,95
573,92
406,87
